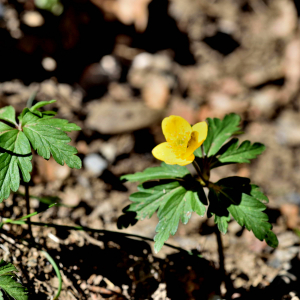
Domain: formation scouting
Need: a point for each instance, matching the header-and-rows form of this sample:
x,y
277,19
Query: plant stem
x,y
27,198
196,166
202,150
88,229
224,277
221,252
57,271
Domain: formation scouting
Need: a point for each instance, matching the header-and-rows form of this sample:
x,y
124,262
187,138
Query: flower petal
x,y
177,132
201,128
193,144
165,152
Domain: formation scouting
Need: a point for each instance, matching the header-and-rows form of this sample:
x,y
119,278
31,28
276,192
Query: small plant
x,y
9,285
45,134
174,193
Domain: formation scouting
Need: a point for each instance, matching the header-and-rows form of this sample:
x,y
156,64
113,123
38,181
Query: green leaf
x,y
9,284
249,214
232,153
245,203
219,131
23,113
222,222
258,194
47,136
8,114
41,104
34,110
173,201
15,155
6,268
165,171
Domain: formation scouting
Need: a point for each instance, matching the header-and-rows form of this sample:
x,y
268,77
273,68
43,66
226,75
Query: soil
x,y
118,78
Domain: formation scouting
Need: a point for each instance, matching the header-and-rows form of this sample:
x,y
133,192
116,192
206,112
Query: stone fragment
x,y
156,92
291,213
95,164
114,118
288,128
33,19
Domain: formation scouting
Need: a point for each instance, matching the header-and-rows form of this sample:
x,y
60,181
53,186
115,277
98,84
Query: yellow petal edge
x,y
182,141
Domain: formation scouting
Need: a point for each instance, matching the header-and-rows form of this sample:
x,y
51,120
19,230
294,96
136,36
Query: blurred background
x,y
117,68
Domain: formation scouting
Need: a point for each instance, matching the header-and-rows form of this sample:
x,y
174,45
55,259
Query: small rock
x,y
222,104
162,62
95,164
82,147
50,170
291,212
286,255
287,239
70,197
156,92
264,102
182,109
287,20
288,128
231,86
114,118
49,64
120,92
110,66
142,61
109,151
243,172
33,19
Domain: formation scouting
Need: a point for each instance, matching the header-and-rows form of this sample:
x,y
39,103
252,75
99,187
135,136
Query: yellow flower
x,y
182,141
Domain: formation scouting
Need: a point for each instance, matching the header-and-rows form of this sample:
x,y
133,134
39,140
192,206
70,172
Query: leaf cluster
x,y
10,288
36,129
173,193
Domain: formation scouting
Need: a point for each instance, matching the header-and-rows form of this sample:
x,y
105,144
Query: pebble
x,y
142,61
288,128
95,164
33,19
115,118
156,92
49,64
291,212
109,151
287,239
181,108
286,255
264,102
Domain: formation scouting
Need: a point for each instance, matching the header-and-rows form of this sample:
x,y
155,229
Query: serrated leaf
x,y
15,155
245,203
178,207
233,153
258,194
8,114
219,131
222,223
6,268
41,104
49,113
249,214
47,136
12,288
9,284
174,203
165,171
